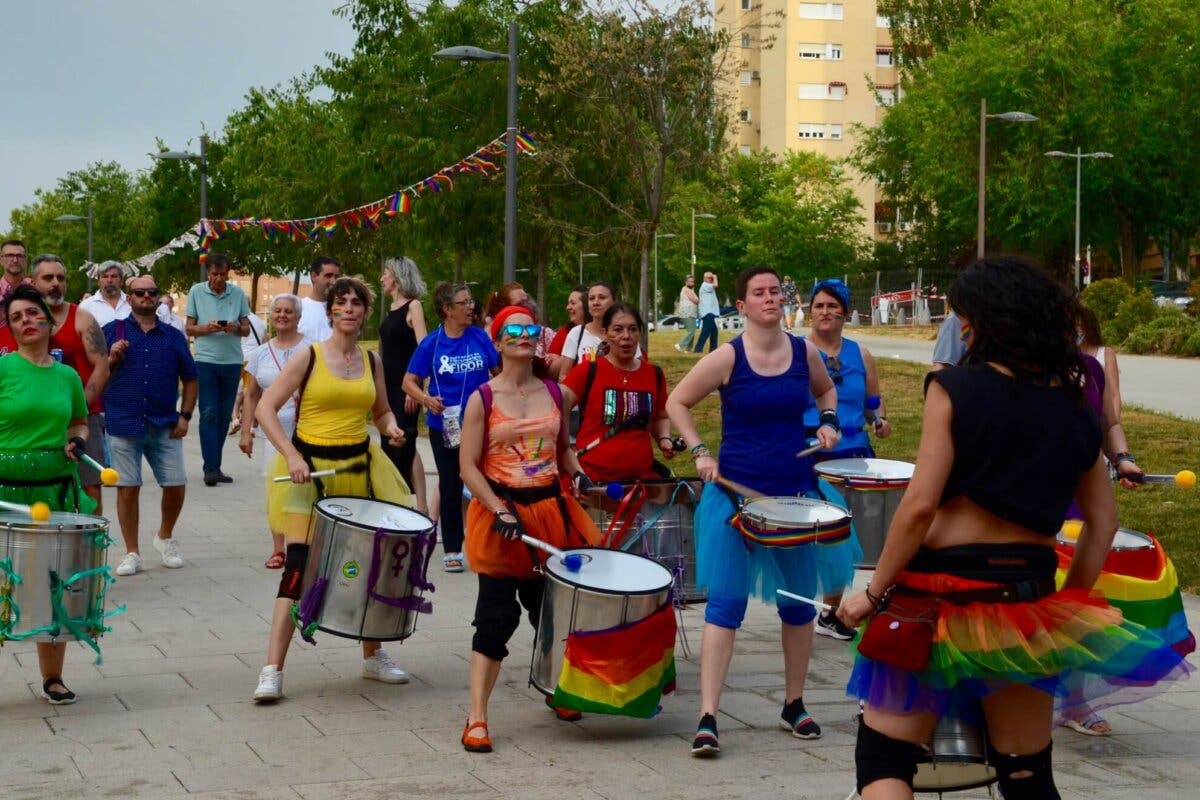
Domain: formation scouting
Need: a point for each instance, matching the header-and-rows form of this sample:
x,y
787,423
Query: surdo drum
x,y
872,489
955,758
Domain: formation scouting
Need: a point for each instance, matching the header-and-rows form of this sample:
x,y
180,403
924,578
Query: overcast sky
x,y
83,81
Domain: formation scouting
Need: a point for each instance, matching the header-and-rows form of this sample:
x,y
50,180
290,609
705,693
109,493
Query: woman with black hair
x,y
962,605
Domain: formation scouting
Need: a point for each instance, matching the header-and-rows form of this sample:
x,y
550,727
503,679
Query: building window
x,y
835,131
882,21
744,116
837,90
745,40
812,51
745,78
887,95
811,130
884,57
833,52
814,91
747,5
820,11
745,149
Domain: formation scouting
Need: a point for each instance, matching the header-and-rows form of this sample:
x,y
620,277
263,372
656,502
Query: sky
x,y
83,81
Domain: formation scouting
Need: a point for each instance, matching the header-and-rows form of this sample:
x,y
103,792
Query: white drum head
x,y
869,470
613,572
1125,540
373,514
794,512
59,520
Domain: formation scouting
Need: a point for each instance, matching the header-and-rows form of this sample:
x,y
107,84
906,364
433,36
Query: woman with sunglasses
x,y
622,402
457,358
514,450
852,370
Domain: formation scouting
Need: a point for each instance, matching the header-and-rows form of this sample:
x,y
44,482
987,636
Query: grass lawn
x,y
1162,444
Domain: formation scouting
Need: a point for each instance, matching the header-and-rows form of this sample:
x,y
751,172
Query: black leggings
x,y
450,485
498,612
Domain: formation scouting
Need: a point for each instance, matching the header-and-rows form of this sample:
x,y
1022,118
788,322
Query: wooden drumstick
x,y
734,486
321,473
803,599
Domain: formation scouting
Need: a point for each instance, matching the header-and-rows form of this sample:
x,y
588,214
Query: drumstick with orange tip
x,y
1184,479
572,561
803,599
321,473
38,512
108,475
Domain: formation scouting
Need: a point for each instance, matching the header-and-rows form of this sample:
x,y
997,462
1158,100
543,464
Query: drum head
x,y
794,512
1125,540
613,572
867,470
59,520
373,514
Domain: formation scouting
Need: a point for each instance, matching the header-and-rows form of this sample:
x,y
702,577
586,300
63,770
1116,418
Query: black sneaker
x,y
223,478
705,744
829,625
795,719
210,478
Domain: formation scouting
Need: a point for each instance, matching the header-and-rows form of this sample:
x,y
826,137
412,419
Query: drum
x,y
871,488
792,521
613,588
366,569
52,577
658,525
955,758
1132,553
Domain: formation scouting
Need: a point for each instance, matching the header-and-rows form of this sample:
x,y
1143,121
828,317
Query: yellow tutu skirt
x,y
289,505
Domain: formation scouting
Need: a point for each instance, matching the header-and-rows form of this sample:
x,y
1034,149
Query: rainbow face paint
x,y
964,331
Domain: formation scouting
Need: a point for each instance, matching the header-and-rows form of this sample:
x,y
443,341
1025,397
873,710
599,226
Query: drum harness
x,y
343,452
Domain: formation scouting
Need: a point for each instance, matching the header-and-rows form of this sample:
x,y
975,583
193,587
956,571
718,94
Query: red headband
x,y
505,313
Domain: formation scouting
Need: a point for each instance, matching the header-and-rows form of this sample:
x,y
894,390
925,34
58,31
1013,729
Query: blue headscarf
x,y
835,287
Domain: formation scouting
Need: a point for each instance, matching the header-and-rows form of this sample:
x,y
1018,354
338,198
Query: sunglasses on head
x,y
144,292
834,365
514,331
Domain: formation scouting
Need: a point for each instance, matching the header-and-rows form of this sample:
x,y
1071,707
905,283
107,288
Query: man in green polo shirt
x,y
218,317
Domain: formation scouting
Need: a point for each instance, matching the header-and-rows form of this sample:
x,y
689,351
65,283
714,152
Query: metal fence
x,y
896,297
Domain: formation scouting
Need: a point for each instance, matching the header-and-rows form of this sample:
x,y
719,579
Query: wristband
x,y
1123,456
829,418
698,447
80,444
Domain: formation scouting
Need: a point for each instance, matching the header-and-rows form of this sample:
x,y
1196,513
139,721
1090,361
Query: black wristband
x,y
829,417
80,444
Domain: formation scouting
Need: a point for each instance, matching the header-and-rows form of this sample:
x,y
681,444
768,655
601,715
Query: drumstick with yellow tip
x,y
803,599
38,512
1184,479
108,475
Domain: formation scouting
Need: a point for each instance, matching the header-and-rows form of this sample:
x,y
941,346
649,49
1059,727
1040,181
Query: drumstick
x,y
321,473
38,512
612,490
743,490
572,561
108,475
1184,479
808,451
803,599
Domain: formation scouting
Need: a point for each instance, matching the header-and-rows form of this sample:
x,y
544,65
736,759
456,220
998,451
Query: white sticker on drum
x,y
335,508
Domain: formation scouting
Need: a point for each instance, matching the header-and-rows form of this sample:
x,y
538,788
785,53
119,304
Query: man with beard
x,y
12,259
109,302
314,321
77,342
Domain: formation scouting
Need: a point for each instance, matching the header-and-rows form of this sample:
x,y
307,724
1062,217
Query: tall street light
x,y
468,53
658,236
202,157
1079,156
695,217
582,256
88,219
1007,116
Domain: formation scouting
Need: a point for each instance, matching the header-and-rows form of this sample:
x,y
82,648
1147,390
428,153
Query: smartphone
x,y
222,322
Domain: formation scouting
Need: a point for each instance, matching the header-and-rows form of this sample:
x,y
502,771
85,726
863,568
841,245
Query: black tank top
x,y
397,342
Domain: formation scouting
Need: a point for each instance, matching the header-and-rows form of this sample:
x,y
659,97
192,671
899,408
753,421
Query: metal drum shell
x,y
672,540
956,759
66,543
568,605
341,549
872,508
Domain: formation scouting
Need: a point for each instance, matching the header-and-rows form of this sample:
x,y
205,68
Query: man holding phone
x,y
218,317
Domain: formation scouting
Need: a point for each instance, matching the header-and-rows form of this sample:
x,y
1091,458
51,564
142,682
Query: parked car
x,y
731,320
670,322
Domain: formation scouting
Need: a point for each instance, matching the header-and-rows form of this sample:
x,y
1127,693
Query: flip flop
x,y
1088,725
453,563
276,561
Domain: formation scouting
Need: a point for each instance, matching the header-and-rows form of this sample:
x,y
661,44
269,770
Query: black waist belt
x,y
331,452
1019,592
524,497
995,563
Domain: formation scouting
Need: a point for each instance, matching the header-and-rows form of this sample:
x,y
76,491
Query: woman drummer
x,y
514,447
622,401
339,381
852,370
43,424
1006,442
762,376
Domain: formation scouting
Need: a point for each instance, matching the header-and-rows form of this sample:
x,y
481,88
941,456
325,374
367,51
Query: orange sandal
x,y
565,714
480,743
276,561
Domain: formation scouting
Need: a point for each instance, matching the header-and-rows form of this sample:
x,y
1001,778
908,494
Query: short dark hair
x,y
354,285
217,260
443,295
622,308
748,274
27,292
43,258
320,261
16,242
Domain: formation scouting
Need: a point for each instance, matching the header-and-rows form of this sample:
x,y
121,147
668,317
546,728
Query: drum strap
x,y
341,452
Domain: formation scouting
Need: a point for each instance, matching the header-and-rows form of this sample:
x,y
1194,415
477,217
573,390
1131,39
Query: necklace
x,y
349,362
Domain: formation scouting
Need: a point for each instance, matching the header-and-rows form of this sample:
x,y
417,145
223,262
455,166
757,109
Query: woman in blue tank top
x,y
765,378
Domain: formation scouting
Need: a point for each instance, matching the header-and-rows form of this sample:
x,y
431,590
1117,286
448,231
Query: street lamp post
x,y
468,53
1007,116
202,157
1079,156
88,219
658,236
582,256
695,217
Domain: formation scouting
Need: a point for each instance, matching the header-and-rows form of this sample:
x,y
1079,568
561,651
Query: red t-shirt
x,y
64,338
618,399
560,338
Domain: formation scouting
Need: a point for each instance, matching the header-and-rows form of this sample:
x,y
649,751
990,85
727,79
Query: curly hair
x,y
1022,319
350,284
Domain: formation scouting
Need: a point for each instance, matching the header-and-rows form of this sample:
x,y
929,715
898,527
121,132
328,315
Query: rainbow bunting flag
x,y
624,670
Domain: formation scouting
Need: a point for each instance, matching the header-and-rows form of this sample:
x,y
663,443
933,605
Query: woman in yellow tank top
x,y
339,383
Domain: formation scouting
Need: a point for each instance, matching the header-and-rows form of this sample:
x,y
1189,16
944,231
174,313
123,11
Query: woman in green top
x,y
43,423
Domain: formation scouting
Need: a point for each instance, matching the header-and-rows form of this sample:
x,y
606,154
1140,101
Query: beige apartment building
x,y
803,79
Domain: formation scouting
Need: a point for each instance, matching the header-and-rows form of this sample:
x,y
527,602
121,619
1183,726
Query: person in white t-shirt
x,y
174,320
109,302
250,342
314,322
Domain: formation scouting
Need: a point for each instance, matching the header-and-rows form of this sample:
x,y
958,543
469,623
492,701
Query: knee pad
x,y
1034,778
725,612
877,757
796,614
293,571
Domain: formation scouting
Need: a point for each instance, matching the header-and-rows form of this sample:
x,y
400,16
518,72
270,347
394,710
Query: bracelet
x,y
698,447
1123,456
668,438
878,603
705,453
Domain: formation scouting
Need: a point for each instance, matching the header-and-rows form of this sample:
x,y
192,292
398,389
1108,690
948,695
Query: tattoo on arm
x,y
94,339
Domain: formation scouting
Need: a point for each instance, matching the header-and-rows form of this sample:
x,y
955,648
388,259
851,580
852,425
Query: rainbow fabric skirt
x,y
1048,644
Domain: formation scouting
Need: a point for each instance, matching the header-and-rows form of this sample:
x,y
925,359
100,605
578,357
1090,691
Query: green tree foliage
x,y
1105,297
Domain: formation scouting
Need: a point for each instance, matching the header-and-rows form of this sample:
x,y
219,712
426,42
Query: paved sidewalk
x,y
168,713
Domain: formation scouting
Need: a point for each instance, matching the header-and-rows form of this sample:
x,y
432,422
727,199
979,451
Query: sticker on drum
x,y
866,473
612,572
374,514
337,509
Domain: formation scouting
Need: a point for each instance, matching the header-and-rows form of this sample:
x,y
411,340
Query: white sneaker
x,y
131,564
170,552
380,667
270,685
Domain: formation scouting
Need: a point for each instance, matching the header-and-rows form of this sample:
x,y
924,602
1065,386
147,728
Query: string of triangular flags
x,y
487,160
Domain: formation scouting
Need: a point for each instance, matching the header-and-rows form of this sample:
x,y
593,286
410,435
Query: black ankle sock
x,y
793,709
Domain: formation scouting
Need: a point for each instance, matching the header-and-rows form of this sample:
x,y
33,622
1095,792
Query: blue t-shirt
x,y
144,387
455,366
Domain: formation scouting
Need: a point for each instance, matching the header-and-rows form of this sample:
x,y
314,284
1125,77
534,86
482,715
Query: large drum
x,y
52,577
657,522
955,758
792,521
611,589
366,569
871,488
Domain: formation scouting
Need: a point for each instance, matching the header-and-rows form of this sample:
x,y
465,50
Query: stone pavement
x,y
168,712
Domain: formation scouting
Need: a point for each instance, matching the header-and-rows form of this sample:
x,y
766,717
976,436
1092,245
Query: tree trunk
x,y
644,294
296,283
254,291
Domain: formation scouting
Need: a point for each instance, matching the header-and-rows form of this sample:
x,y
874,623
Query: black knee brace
x,y
293,571
878,756
1025,777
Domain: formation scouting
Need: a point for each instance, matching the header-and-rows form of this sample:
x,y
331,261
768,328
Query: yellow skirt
x,y
290,505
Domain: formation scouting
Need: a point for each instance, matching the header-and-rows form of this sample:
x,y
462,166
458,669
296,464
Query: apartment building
x,y
803,80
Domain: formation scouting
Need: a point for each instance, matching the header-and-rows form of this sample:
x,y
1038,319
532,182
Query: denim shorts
x,y
164,454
